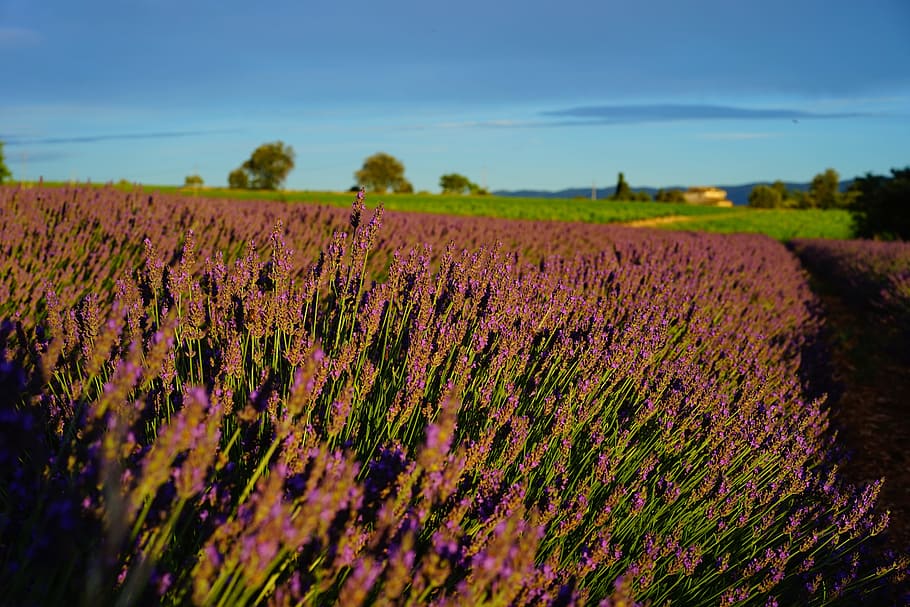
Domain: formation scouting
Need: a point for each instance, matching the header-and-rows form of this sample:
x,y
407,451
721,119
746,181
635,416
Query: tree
x,y
671,195
238,180
781,188
381,172
881,207
4,170
765,197
799,199
193,181
788,198
824,191
453,183
622,191
267,167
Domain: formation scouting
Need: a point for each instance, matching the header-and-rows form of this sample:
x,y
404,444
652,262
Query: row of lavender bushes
x,y
870,274
575,415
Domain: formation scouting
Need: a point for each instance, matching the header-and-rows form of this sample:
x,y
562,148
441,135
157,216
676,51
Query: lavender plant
x,y
871,275
398,419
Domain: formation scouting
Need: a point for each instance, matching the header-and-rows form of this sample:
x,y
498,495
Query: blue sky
x,y
531,94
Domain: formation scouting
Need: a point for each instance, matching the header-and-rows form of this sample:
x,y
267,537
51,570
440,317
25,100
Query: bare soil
x,y
657,221
870,364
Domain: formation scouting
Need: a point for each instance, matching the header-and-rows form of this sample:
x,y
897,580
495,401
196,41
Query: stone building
x,y
708,196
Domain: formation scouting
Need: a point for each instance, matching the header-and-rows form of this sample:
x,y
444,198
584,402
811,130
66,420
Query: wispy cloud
x,y
471,124
628,114
492,124
14,141
879,101
735,136
604,115
18,160
14,37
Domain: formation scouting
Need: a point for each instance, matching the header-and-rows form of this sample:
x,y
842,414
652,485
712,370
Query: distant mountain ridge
x,y
737,194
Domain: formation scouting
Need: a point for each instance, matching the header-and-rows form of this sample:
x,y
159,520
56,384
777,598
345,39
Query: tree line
x,y
624,192
823,193
879,204
270,164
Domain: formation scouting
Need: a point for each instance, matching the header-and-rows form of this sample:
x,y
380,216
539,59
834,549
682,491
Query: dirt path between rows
x,y
657,221
668,219
870,413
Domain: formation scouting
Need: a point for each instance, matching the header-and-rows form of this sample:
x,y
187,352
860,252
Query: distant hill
x,y
738,194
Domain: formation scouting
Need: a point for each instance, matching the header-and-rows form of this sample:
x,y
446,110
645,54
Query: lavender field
x,y
222,402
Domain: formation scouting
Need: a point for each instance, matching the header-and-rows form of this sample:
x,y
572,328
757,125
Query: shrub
x,y
880,208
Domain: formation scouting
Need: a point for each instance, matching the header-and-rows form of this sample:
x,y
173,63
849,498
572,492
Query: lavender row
x,y
870,274
517,423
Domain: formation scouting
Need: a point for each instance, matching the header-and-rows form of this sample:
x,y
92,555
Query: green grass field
x,y
781,224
